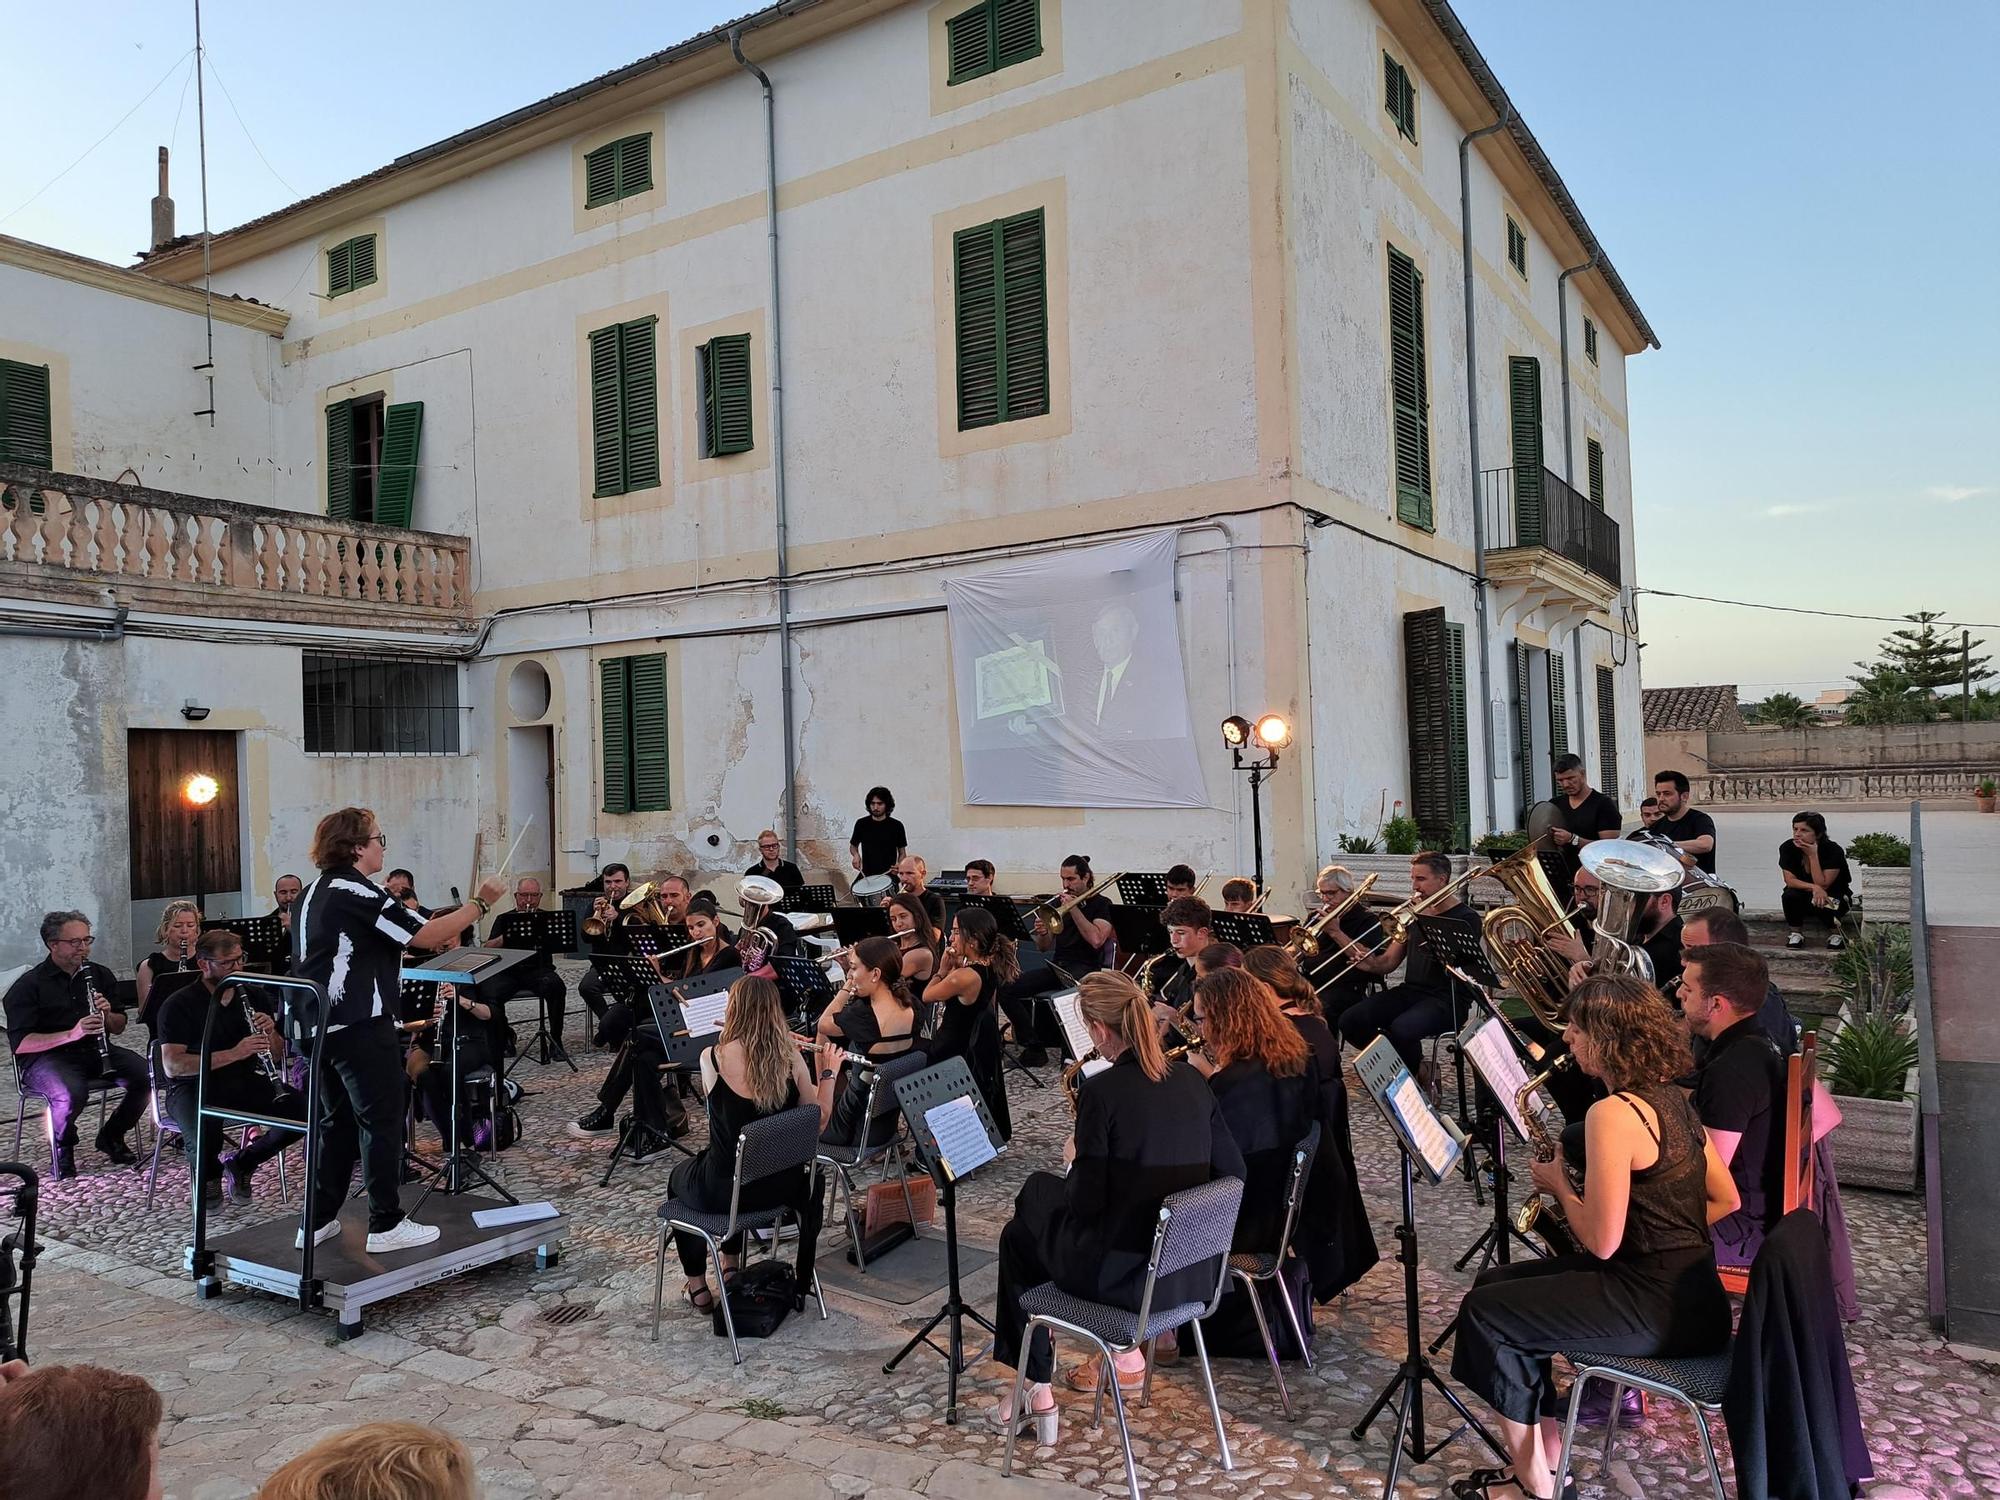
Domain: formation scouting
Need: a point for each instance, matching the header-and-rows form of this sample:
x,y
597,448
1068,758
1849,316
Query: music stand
x,y
803,983
808,898
1489,1044
1428,1143
1142,888
264,938
650,941
1006,915
948,1087
627,976
853,923
1461,951
553,934
1140,934
1246,929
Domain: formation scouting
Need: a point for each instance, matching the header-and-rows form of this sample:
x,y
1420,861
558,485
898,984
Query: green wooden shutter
x,y
1524,409
339,269
361,261
635,165
976,275
1558,708
1410,386
1399,96
396,481
639,406
1607,733
968,40
607,431
340,461
1524,729
1457,736
600,175
1024,316
1017,31
1590,340
614,712
725,396
1517,246
1427,678
26,431
649,734
1594,452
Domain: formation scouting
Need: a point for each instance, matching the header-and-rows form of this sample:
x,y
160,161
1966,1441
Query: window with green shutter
x,y
26,431
1410,387
619,169
357,453
396,479
1000,276
1558,708
1434,668
1517,246
1399,96
1607,733
992,35
722,374
1590,340
350,265
1594,458
1524,413
624,408
632,704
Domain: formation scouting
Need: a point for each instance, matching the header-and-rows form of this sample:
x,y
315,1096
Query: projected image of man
x,y
1118,703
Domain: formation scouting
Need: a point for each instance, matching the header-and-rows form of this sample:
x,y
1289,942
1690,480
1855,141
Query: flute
x,y
811,1044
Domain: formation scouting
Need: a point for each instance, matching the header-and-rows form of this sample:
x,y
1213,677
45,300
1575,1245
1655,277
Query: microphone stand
x,y
458,1163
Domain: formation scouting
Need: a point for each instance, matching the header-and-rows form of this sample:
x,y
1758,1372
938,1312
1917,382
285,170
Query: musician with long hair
x,y
917,936
1643,1282
1267,1083
870,1015
713,951
755,1070
172,963
1145,1128
977,962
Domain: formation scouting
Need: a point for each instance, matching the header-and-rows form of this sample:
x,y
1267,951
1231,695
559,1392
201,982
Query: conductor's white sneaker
x,y
405,1236
329,1230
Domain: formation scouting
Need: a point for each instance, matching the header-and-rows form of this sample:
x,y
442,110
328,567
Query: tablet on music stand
x,y
1006,915
853,923
1246,929
1142,888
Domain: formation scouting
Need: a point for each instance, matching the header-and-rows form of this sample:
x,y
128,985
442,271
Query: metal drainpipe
x,y
1569,451
1472,432
777,447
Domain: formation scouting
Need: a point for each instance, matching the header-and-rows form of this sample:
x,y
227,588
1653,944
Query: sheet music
x,y
1095,1066
1493,1054
703,1014
962,1142
1433,1142
1069,1011
519,1213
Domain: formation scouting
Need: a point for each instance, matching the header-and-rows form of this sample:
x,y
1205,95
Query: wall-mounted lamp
x,y
193,712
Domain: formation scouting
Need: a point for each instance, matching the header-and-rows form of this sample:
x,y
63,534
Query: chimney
x,y
163,208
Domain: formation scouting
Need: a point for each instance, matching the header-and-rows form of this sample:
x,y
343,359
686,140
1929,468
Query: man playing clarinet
x,y
60,1022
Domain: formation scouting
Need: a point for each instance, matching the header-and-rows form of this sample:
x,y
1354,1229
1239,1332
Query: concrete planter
x,y
1884,893
1876,1144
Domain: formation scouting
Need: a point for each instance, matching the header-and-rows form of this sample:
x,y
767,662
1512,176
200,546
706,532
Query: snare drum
x,y
873,890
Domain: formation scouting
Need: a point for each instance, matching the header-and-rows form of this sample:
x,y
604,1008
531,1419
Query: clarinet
x,y
94,999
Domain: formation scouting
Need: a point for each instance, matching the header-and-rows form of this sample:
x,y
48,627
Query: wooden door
x,y
162,825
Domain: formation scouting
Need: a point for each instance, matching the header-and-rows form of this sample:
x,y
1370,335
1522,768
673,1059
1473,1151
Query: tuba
x,y
1631,873
1516,937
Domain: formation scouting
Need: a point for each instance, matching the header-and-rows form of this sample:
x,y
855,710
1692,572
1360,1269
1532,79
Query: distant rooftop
x,y
1672,709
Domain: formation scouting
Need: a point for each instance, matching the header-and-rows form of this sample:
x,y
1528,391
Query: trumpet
x,y
1304,940
1048,920
1538,1214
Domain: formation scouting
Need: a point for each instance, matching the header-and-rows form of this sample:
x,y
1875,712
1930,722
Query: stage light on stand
x,y
1236,731
200,789
1270,733
1274,731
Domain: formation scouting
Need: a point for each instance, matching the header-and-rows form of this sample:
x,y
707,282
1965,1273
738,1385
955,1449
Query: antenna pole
x,y
207,292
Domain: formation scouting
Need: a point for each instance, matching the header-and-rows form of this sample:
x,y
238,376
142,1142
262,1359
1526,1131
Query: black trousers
x,y
62,1077
1034,1021
683,1185
238,1086
656,1102
1336,1000
1405,1016
434,1083
1027,1259
361,1119
1800,909
547,986
1517,1316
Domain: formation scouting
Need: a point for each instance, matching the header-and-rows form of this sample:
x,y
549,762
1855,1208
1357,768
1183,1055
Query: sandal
x,y
1480,1484
701,1299
1083,1376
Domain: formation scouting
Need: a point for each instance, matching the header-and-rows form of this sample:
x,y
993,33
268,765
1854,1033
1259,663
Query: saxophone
x,y
1537,1214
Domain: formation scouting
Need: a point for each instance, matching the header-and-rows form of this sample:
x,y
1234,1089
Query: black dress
x,y
1334,1236
1267,1117
702,1182
167,976
861,1032
1656,1297
971,1029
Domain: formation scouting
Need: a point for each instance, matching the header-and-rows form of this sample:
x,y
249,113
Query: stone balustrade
x,y
168,546
1804,788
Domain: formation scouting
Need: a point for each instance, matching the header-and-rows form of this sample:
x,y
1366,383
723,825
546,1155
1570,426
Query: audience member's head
x,y
79,1432
378,1461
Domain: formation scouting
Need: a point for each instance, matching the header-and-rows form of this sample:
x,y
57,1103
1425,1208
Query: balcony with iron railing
x,y
1537,508
64,536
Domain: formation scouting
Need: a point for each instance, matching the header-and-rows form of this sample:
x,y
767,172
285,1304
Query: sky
x,y
1804,198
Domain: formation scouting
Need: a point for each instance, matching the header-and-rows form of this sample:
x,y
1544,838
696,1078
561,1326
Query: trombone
x,y
1304,940
1397,922
1064,905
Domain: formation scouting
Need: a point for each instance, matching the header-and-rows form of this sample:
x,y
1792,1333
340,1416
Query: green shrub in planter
x,y
1358,843
1875,973
1500,845
1883,850
1869,1058
1400,835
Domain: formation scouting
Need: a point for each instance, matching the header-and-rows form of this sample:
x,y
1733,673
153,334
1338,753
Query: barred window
x,y
366,705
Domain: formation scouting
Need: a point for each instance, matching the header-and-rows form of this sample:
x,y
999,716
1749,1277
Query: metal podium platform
x,y
265,1257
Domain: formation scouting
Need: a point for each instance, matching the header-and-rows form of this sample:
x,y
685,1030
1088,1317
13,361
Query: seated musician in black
x,y
535,976
236,1080
1739,1091
913,874
616,1017
170,965
1181,882
1426,1003
1170,977
755,1070
870,1016
658,1115
59,1015
285,893
1238,894
1644,1281
1145,1128
975,965
714,949
1076,943
1267,1084
1333,971
481,1044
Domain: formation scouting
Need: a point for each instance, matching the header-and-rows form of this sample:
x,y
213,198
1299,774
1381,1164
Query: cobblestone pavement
x,y
550,1402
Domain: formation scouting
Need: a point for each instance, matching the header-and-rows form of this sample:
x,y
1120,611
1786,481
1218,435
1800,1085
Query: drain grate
x,y
568,1313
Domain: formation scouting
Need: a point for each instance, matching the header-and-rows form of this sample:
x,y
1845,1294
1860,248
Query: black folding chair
x,y
845,1160
1253,1269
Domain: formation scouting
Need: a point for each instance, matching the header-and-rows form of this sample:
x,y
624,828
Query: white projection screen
x,y
1070,687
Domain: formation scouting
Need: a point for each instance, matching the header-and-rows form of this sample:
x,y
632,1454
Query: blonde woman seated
x,y
754,1070
1644,1282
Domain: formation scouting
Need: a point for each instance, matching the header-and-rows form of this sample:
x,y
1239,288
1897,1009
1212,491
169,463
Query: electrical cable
x,y
1832,614
105,137
217,76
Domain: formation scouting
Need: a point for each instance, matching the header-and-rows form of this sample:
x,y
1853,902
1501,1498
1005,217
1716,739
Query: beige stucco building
x,y
1231,301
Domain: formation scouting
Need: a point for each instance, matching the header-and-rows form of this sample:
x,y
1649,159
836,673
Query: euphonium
x,y
1537,1214
1516,937
1632,874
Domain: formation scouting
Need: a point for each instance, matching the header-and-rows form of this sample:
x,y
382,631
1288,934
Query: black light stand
x,y
1259,771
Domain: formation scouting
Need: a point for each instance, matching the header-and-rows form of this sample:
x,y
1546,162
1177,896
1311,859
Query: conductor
x,y
349,934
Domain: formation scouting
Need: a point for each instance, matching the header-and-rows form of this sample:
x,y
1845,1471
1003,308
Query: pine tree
x,y
1929,658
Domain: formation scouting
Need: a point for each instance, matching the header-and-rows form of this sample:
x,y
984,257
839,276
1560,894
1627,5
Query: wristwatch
x,y
826,1075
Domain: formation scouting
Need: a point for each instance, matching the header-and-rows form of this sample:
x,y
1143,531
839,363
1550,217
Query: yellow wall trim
x,y
85,272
